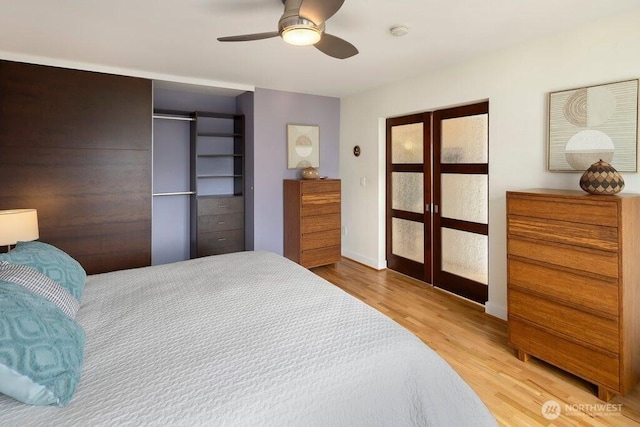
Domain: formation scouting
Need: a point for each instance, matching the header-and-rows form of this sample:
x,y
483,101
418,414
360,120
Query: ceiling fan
x,y
302,24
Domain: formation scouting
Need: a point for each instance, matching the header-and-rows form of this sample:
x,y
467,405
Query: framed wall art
x,y
594,123
303,146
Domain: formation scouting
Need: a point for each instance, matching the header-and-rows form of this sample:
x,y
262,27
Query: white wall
x,y
516,82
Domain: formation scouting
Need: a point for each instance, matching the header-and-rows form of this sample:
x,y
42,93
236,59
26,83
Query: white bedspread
x,y
248,339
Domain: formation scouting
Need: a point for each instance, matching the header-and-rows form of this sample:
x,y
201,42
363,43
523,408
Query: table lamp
x,y
18,225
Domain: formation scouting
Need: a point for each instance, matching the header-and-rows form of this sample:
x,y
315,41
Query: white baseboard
x,y
495,310
369,262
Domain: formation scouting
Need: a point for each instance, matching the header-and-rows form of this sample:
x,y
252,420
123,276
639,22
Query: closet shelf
x,y
219,134
220,155
219,176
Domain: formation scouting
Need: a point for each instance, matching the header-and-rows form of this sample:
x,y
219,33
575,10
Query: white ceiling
x,y
178,37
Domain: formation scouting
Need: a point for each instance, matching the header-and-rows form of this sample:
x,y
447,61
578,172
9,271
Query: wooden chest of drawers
x,y
220,225
312,221
574,284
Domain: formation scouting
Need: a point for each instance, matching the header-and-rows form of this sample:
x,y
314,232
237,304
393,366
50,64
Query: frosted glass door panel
x,y
408,239
465,139
465,197
408,191
406,143
465,254
171,156
170,233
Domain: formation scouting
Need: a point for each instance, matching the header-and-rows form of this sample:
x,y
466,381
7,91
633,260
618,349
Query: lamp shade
x,y
18,225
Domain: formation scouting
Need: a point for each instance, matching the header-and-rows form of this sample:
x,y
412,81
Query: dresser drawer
x,y
573,233
592,261
596,211
220,205
209,223
589,364
321,239
221,250
562,320
322,256
320,186
586,291
320,204
312,224
220,239
320,209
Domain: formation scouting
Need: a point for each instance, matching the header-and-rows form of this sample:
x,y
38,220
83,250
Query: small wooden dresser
x,y
312,221
574,284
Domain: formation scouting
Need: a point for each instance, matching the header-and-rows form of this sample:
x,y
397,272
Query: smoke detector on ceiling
x,y
399,30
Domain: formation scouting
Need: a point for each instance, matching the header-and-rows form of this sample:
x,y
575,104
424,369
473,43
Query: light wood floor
x,y
475,345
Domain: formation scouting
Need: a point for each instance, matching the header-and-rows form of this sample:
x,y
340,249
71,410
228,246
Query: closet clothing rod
x,y
178,193
186,119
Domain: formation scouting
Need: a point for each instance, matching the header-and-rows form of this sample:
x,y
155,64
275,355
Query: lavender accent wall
x,y
267,113
273,110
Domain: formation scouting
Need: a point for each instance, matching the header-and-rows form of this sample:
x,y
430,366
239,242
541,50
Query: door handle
x,y
431,208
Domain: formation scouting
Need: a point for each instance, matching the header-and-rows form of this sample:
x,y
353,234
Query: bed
x,y
249,339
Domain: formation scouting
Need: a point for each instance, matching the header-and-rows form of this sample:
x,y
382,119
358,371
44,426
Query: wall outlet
x,y
363,181
344,230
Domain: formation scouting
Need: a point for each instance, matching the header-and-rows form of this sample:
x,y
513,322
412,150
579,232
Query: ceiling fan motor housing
x,y
291,22
287,22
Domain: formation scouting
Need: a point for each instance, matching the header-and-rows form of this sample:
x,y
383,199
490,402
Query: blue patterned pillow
x,y
41,348
51,262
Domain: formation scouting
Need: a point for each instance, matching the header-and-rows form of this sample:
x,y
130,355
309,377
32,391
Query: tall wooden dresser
x,y
574,284
312,221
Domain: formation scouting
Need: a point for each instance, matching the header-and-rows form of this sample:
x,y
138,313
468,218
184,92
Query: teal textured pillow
x,y
51,262
41,348
31,279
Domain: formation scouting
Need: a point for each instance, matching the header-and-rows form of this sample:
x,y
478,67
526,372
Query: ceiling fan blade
x,y
336,47
249,37
319,11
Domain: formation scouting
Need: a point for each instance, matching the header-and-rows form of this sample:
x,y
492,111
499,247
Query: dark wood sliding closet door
x,y
408,247
76,146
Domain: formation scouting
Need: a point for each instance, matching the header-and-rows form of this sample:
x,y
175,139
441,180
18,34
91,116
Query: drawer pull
x,y
221,239
223,206
220,222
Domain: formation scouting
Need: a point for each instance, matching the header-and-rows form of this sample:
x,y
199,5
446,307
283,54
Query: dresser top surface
x,y
572,193
314,180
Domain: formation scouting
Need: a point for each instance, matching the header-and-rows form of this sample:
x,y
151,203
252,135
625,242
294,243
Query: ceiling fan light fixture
x,y
301,35
302,24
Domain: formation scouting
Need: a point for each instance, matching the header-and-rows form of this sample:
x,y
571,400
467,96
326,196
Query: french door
x,y
461,189
437,208
408,190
